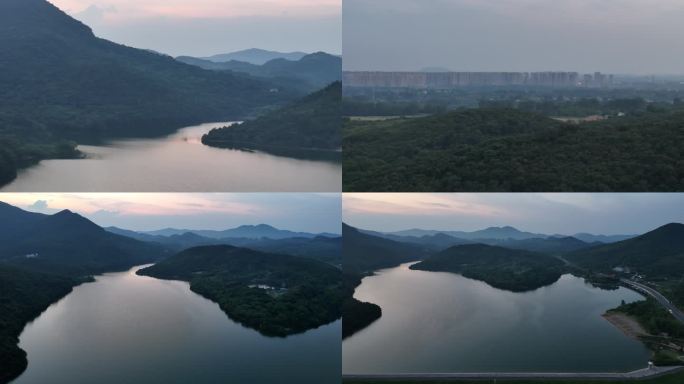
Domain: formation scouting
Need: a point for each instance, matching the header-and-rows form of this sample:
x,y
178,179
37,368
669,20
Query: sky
x,y
612,36
301,212
552,213
208,27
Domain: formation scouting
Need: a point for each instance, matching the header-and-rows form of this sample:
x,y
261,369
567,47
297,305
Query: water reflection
x,y
126,328
178,163
443,322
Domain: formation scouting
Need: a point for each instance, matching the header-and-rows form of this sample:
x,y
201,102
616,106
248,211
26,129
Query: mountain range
x,y
324,247
506,233
255,56
61,85
317,69
67,244
244,231
507,236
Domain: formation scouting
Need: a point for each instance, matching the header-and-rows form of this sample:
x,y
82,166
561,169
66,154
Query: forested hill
x,y
312,123
658,253
67,244
364,253
278,295
60,83
317,69
510,269
510,150
23,296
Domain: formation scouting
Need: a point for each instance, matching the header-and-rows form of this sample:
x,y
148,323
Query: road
x,y
634,375
658,296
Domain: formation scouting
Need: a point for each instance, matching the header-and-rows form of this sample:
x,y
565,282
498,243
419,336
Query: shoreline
x,y
626,324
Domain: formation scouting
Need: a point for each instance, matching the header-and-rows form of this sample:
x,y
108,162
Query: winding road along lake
x,y
177,163
125,328
435,322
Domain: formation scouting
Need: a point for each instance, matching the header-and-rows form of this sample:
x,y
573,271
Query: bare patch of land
x,y
628,325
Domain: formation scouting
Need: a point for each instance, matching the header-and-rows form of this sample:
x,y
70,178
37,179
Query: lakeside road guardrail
x,y
660,298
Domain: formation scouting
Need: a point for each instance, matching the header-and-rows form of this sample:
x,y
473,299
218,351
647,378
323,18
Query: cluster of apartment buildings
x,y
445,80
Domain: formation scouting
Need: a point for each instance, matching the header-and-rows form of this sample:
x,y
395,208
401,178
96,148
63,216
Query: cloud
x,y
127,10
148,211
551,213
406,204
95,14
40,205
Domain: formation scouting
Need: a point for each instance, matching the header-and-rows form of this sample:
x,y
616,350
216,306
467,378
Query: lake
x,y
445,323
125,328
177,163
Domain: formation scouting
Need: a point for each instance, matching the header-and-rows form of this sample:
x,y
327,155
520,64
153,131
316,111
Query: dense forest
x,y
352,107
502,268
550,101
357,314
512,150
278,295
60,85
364,254
658,253
310,126
23,296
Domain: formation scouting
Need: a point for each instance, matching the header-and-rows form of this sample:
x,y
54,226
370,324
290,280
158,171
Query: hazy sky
x,y
559,213
149,211
615,36
207,27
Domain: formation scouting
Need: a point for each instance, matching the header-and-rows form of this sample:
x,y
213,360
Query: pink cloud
x,y
401,204
122,10
132,204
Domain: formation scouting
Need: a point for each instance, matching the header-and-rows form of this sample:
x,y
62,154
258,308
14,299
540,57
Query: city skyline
x,y
305,212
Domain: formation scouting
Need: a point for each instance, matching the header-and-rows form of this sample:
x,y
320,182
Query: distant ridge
x,y
255,56
244,231
500,233
316,69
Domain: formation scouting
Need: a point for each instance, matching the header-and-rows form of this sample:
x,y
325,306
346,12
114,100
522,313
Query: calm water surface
x,y
443,322
177,163
126,328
